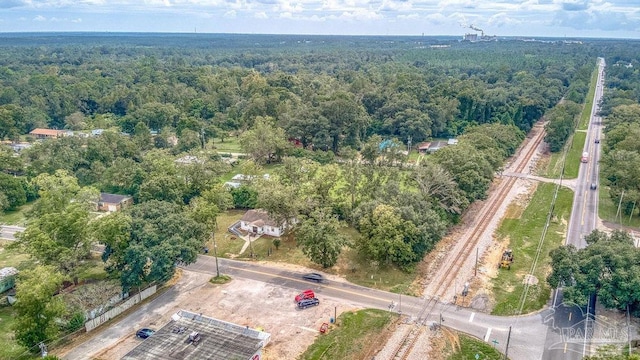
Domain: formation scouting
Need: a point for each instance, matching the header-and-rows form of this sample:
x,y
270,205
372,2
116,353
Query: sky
x,y
530,18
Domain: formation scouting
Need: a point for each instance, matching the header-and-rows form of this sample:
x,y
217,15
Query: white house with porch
x,y
258,222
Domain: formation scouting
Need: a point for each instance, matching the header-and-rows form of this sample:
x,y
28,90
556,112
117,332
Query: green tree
x,y
320,238
13,188
265,142
387,238
281,202
607,267
159,236
244,197
37,309
57,234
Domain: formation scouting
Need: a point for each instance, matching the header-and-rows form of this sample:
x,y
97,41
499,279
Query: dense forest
x,y
620,109
352,105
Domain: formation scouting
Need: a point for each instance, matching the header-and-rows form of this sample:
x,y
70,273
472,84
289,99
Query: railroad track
x,y
494,203
405,347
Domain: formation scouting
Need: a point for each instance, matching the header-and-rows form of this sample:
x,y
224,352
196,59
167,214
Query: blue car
x,y
145,333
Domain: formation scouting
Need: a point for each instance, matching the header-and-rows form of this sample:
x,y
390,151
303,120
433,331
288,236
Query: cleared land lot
x,y
245,302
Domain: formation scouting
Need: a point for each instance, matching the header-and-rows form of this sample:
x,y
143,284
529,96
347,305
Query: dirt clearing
x,y
244,302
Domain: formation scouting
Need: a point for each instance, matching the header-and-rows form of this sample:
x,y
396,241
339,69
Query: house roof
x,y
258,217
218,340
423,146
46,132
113,198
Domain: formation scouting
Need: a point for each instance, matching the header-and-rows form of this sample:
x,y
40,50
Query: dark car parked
x,y
145,333
303,304
313,277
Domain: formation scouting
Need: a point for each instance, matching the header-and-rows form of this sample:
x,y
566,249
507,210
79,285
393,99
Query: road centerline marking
x,y
486,336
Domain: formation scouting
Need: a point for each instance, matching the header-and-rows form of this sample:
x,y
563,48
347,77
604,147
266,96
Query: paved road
x,y
8,232
524,343
566,336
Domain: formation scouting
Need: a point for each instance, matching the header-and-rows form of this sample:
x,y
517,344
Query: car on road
x,y
307,294
593,186
303,304
313,277
144,333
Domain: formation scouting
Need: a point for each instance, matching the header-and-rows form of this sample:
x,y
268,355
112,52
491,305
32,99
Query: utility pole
x,y
506,351
628,334
475,270
619,206
215,253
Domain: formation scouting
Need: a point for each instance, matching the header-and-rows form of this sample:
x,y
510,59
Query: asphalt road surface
x,y
8,232
525,341
571,328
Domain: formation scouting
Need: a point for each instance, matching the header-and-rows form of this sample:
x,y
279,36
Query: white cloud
x,y
360,14
502,19
231,14
260,15
409,16
39,18
78,20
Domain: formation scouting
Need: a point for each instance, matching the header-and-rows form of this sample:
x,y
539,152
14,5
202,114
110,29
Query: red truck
x,y
307,294
585,157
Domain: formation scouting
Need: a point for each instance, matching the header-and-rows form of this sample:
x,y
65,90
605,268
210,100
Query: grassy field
x,y
572,164
15,217
607,210
588,102
230,144
10,348
522,234
469,347
356,336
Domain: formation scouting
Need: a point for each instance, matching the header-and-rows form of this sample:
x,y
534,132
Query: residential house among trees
x,y
258,222
40,133
113,202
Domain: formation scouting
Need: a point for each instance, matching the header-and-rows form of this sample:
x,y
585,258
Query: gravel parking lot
x,y
244,302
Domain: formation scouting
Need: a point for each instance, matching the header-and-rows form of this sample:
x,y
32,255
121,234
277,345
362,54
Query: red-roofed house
x,y
47,133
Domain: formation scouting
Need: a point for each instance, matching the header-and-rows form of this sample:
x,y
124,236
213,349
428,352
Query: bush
x,y
76,322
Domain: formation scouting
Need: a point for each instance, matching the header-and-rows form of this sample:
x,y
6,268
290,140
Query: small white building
x,y
258,222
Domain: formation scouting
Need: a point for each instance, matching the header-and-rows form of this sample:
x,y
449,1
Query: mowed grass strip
x,y
470,346
356,336
523,236
607,209
572,164
588,101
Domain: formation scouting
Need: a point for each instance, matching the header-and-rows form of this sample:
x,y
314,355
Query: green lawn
x,y
607,210
227,244
230,144
470,347
16,217
357,336
15,258
588,102
10,348
572,163
523,235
